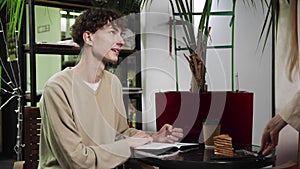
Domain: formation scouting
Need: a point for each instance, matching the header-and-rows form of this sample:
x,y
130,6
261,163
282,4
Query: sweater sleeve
x,y
64,142
291,112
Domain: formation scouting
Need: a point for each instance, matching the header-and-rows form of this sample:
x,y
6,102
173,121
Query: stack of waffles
x,y
223,145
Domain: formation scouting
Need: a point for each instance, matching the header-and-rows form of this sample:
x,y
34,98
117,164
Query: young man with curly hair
x,y
84,122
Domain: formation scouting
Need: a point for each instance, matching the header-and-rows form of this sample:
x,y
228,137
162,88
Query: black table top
x,y
200,157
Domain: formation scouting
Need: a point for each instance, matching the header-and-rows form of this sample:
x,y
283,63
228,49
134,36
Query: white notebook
x,y
162,150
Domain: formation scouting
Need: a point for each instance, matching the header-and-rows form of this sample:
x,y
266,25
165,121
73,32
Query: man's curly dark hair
x,y
92,20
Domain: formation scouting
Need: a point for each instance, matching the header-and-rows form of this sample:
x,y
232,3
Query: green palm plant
x,y
125,7
197,45
270,19
14,12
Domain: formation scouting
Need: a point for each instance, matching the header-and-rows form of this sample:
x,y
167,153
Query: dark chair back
x,y
32,125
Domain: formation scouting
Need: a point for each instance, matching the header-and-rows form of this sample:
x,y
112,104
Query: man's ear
x,y
87,37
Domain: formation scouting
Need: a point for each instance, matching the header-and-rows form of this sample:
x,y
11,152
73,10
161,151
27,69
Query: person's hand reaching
x,y
271,133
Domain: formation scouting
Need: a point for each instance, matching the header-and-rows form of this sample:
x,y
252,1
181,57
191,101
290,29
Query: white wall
x,y
253,67
158,72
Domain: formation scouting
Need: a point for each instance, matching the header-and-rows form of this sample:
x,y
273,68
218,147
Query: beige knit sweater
x,y
80,125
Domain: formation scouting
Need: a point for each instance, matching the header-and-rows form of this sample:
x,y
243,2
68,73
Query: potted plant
x,y
196,42
189,109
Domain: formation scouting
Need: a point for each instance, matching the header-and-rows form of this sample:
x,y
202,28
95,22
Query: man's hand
x,y
140,138
168,134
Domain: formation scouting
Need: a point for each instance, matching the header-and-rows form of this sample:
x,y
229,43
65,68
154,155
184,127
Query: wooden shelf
x,y
215,13
64,49
53,49
132,90
126,90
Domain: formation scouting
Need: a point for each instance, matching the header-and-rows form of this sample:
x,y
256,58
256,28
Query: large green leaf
x,y
144,3
14,13
2,4
270,17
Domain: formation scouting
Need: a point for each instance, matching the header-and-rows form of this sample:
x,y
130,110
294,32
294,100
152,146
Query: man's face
x,y
107,43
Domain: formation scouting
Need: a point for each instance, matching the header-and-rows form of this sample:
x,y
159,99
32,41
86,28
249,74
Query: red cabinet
x,y
188,110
